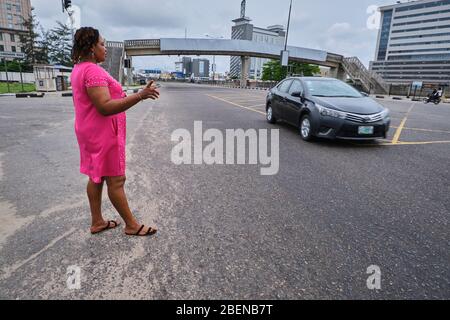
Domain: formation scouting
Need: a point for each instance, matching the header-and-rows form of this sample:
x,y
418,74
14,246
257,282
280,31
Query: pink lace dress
x,y
101,138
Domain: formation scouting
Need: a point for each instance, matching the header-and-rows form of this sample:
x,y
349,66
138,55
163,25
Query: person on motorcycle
x,y
433,96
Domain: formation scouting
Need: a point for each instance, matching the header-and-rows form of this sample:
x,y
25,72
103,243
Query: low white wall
x,y
27,77
15,76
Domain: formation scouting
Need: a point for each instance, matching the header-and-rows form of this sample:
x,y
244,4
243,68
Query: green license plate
x,y
366,130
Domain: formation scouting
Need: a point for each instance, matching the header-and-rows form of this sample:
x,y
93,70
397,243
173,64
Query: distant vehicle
x,y
327,108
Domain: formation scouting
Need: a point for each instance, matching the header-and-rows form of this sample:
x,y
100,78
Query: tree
x,y
59,41
45,43
30,40
12,66
273,70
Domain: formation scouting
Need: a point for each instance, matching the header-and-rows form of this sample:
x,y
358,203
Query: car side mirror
x,y
365,94
297,94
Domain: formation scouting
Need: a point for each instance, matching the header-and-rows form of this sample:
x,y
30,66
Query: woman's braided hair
x,y
85,38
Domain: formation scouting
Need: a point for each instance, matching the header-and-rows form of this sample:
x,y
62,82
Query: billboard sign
x,y
284,58
12,55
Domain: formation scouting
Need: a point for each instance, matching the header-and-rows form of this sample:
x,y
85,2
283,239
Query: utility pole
x,y
21,77
285,53
287,30
6,72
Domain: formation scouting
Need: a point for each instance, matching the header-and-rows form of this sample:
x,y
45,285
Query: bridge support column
x,y
245,67
338,73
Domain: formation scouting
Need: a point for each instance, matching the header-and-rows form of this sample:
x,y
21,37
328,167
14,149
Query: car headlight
x,y
327,112
385,114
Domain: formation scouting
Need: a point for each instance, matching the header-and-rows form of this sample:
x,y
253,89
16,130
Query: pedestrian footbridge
x,y
223,47
338,65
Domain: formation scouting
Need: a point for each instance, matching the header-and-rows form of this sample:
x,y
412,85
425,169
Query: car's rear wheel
x,y
269,115
306,128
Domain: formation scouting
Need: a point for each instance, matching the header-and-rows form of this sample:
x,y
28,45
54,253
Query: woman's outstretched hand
x,y
150,91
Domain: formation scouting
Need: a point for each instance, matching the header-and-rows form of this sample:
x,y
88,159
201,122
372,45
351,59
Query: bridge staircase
x,y
114,59
370,81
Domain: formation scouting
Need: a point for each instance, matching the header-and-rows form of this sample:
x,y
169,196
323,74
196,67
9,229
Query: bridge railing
x,y
114,44
145,43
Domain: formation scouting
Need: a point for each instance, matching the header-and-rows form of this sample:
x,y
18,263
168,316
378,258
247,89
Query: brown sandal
x,y
150,232
108,227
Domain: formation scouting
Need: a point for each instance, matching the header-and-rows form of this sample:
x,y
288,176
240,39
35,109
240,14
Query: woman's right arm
x,y
106,106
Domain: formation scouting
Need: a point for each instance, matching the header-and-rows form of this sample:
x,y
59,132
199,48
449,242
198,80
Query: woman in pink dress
x,y
100,127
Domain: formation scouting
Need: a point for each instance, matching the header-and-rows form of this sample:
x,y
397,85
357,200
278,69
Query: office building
x,y
414,42
13,13
200,68
244,30
186,63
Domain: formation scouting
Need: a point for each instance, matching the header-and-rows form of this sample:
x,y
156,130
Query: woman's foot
x,y
105,225
141,231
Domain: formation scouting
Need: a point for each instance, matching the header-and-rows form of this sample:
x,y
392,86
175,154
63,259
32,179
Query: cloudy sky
x,y
335,26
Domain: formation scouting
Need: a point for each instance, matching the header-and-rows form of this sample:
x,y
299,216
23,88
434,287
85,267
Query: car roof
x,y
312,78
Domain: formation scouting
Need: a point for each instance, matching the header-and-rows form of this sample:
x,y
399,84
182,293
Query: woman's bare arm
x,y
106,106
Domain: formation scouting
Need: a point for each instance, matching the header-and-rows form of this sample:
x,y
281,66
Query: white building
x,y
414,42
272,35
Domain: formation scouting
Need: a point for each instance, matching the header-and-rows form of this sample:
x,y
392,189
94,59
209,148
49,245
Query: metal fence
x,y
408,90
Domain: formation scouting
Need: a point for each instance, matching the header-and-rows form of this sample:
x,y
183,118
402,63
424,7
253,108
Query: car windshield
x,y
331,88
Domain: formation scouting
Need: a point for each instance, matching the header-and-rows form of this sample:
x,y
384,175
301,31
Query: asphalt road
x,y
226,231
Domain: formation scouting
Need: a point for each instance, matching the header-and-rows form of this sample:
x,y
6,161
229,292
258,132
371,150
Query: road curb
x,y
30,95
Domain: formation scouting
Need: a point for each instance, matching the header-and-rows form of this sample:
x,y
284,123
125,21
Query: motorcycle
x,y
436,101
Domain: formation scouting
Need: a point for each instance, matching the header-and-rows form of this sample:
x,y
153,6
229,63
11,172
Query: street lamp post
x,y
214,69
67,6
21,77
214,58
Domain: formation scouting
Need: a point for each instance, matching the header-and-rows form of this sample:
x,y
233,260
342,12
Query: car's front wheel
x,y
306,128
270,116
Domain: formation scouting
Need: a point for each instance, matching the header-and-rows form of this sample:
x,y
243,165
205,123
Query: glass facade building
x,y
414,42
